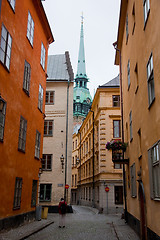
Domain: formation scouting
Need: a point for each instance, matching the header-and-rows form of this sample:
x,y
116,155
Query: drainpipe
x,y
66,152
80,173
121,92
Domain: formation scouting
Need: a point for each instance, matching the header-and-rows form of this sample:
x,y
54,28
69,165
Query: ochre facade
x,y
138,44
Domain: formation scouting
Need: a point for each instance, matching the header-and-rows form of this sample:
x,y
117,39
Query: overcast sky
x,y
100,31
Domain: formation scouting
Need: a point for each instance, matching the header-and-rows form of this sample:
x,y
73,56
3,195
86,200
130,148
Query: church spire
x,y
81,67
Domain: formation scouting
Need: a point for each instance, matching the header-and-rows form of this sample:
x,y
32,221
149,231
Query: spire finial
x,y
82,18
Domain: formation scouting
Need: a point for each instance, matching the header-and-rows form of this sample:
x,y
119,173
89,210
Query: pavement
x,y
83,223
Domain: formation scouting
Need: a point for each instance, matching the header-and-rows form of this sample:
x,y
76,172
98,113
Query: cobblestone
x,y
85,223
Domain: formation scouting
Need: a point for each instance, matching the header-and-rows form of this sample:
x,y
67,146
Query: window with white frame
x,y
133,180
22,134
12,3
37,144
128,73
150,80
2,119
17,193
116,129
154,170
5,47
45,192
47,162
146,9
116,100
27,76
40,98
43,55
48,128
30,29
50,97
130,125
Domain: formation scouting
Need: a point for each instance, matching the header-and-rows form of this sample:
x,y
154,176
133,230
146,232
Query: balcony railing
x,y
118,156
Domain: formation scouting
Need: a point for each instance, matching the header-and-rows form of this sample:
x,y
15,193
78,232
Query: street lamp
x,y
121,92
62,161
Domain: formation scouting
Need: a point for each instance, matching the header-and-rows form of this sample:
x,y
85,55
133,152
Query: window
x,y
45,192
116,101
150,80
146,9
128,73
49,97
130,125
117,166
43,55
116,129
5,47
27,76
48,128
40,97
47,162
22,134
75,180
134,21
17,193
154,170
34,193
30,29
37,144
127,28
118,190
72,180
2,119
133,181
12,3
136,75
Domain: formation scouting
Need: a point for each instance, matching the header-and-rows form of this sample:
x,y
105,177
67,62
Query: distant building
x,y
82,99
95,174
138,43
58,128
24,38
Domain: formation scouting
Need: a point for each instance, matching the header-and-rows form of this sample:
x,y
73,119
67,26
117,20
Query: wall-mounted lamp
x,y
62,161
77,160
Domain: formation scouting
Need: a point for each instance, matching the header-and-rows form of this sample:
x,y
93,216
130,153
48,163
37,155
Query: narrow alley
x,y
84,223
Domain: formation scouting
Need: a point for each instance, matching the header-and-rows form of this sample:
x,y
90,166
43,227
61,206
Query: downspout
x,y
121,92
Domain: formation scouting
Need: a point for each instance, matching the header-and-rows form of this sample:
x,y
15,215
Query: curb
x,y
28,234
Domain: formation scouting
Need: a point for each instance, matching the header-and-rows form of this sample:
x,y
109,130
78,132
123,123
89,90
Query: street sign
x,y
66,186
107,189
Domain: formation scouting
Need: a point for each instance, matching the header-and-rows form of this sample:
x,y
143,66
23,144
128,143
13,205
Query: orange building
x,y
25,35
138,45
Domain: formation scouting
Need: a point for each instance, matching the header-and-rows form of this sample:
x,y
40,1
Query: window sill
x,y
131,139
1,140
47,135
16,208
26,92
136,89
47,170
157,199
37,158
29,42
21,150
5,67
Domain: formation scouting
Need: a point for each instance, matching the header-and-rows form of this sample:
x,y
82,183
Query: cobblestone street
x,y
84,224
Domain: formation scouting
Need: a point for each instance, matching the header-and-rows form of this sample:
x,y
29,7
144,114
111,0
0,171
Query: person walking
x,y
62,209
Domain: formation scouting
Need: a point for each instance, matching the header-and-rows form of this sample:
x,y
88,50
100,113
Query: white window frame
x,y
150,80
5,47
2,120
146,10
12,3
37,144
27,77
48,124
128,74
130,125
22,134
43,56
127,32
45,159
48,97
40,98
17,193
30,29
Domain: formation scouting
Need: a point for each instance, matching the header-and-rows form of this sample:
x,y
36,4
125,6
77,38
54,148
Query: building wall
x,y
142,41
104,172
13,162
56,144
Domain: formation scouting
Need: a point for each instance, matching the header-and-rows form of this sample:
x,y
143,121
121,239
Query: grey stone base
x,y
135,224
15,221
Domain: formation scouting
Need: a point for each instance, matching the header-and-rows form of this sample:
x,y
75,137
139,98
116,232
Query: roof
x,y
112,83
59,68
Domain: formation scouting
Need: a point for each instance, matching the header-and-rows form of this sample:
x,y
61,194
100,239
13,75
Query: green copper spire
x,y
81,68
82,99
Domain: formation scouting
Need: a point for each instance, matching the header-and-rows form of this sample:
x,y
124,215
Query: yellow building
x,y
138,45
98,172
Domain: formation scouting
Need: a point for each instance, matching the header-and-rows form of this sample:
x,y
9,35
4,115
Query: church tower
x,y
82,99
